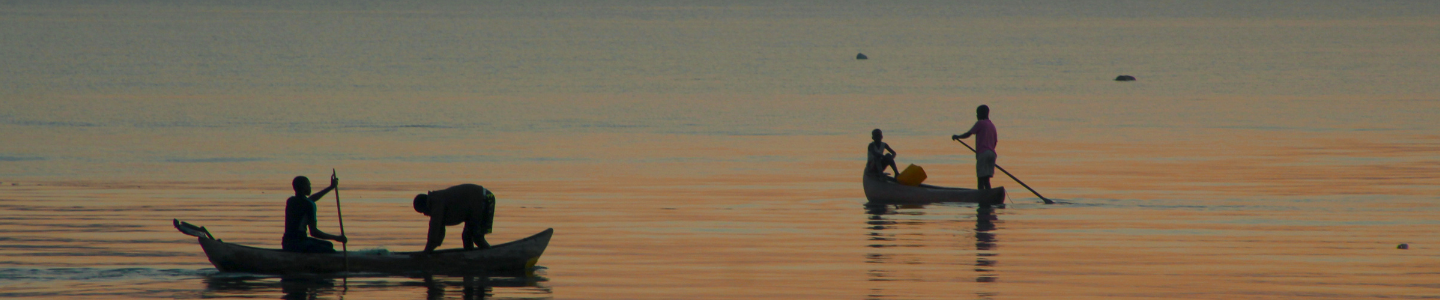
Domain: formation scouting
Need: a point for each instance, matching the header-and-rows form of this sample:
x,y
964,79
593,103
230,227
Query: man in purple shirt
x,y
985,140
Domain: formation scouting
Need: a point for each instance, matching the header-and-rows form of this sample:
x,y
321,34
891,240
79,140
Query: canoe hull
x,y
516,256
884,189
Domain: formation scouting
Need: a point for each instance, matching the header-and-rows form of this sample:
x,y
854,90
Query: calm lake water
x,y
712,150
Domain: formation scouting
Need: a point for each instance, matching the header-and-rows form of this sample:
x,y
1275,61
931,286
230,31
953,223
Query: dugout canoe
x,y
880,188
514,257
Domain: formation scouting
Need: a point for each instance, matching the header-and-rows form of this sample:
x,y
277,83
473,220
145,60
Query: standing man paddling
x,y
985,139
300,220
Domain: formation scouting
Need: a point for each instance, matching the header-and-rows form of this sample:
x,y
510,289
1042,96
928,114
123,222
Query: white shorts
x,y
985,164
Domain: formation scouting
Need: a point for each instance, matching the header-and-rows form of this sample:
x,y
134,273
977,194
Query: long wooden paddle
x,y
1007,173
345,246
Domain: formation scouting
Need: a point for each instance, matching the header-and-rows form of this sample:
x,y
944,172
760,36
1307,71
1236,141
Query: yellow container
x,y
913,175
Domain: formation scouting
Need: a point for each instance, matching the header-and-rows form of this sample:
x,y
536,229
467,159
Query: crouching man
x,y
466,203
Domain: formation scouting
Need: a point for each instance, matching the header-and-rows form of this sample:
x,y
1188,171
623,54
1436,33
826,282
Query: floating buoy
x,y
1124,78
1403,246
861,56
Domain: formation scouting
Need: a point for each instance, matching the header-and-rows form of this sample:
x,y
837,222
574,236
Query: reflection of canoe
x,y
516,256
879,188
229,285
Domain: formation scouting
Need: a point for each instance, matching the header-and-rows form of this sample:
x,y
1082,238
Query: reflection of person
x,y
299,288
466,203
300,220
985,139
472,287
876,158
985,241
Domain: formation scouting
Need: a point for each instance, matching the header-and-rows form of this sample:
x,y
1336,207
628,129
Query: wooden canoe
x,y
514,257
880,188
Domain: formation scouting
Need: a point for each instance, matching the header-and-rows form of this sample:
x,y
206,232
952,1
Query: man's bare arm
x,y
967,134
315,232
437,226
321,195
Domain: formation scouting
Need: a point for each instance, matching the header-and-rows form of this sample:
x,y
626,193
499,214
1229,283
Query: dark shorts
x,y
882,162
308,245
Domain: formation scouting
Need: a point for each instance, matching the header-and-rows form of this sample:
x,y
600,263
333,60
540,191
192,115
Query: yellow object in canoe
x,y
913,175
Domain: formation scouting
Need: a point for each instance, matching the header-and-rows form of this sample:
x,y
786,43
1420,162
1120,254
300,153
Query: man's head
x,y
422,204
876,135
301,185
982,112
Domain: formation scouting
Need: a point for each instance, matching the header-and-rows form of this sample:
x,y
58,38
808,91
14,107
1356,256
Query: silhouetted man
x,y
985,139
876,159
466,203
300,220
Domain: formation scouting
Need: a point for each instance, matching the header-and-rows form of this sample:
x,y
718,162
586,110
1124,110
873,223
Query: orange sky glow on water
x,y
797,230
1266,150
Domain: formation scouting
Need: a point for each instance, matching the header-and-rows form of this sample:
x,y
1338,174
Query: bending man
x,y
466,203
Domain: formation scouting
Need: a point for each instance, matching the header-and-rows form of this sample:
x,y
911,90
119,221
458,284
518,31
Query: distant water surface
x,y
697,150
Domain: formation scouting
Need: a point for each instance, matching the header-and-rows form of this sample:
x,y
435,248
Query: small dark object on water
x,y
861,56
1124,78
1403,246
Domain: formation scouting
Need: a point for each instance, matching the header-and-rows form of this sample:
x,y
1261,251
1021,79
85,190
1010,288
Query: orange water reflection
x,y
905,251
1290,216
